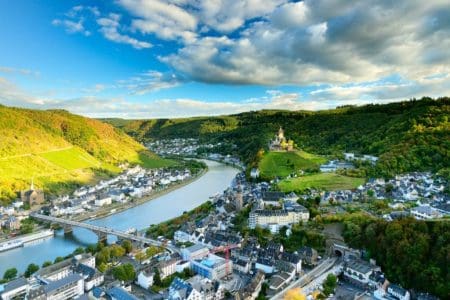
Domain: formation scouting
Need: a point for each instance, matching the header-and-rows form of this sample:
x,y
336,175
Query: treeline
x,y
407,136
415,254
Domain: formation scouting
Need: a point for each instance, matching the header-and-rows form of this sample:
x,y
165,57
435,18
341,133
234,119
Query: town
x,y
216,262
221,249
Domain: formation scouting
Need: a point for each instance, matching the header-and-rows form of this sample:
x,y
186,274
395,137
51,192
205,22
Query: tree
x,y
157,278
46,264
79,250
31,269
10,274
127,246
59,259
124,272
329,284
117,251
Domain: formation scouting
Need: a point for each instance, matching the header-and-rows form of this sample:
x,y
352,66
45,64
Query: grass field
x,y
281,164
322,181
71,159
150,160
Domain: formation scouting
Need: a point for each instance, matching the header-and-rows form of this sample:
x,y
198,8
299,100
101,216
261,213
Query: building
x,y
208,289
68,287
251,291
308,255
55,272
280,143
119,293
212,267
105,200
32,196
12,223
145,279
275,219
294,259
182,237
358,272
254,173
264,264
182,290
92,278
168,267
15,289
196,251
425,212
239,199
398,292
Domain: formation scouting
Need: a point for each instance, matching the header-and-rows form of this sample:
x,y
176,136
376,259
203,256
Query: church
x,y
280,143
32,196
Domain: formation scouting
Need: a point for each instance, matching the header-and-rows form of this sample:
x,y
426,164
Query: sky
x,y
179,58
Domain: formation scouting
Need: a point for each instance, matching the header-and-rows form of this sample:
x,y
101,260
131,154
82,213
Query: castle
x,y
280,143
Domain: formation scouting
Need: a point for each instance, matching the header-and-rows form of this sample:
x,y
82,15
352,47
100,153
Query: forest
x,y
407,136
415,254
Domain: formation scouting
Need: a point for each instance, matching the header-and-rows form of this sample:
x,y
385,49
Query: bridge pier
x,y
102,237
68,230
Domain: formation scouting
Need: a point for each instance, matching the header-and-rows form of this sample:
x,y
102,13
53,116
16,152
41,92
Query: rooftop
x,y
54,285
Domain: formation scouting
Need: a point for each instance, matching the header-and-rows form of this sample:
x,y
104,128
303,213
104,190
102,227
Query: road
x,y
323,267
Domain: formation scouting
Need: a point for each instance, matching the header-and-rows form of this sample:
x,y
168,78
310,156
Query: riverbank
x,y
120,207
216,179
117,207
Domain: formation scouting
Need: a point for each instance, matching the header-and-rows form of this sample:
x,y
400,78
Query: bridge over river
x,y
101,231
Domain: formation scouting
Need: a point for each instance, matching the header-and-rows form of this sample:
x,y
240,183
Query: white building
x,y
212,267
425,212
14,289
196,251
182,237
358,271
103,201
167,267
145,279
68,287
275,219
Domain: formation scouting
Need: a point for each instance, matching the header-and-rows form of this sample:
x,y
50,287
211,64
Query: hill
x,y
281,164
61,150
407,136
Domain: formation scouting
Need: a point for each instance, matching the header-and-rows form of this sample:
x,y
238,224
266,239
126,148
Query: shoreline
x,y
123,207
120,207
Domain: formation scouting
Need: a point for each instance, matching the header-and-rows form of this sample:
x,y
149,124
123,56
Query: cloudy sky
x,y
173,58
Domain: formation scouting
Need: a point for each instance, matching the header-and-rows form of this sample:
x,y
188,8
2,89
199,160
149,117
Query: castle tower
x,y
280,134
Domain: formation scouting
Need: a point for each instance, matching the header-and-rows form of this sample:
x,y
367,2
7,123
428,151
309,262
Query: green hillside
x,y
407,136
61,150
281,164
321,181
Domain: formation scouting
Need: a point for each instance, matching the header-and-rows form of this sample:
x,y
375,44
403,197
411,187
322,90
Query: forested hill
x,y
59,150
410,135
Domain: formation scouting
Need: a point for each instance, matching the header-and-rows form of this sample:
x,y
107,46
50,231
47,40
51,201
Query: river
x,y
168,206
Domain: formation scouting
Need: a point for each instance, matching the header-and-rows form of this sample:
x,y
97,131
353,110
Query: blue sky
x,y
176,58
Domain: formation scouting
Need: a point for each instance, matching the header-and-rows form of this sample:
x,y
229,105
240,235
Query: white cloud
x,y
322,42
9,70
109,27
150,81
165,19
72,26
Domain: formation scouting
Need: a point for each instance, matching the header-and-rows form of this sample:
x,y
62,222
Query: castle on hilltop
x,y
280,143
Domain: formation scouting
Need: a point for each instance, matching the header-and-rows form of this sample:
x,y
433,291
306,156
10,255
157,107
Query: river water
x,y
165,207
